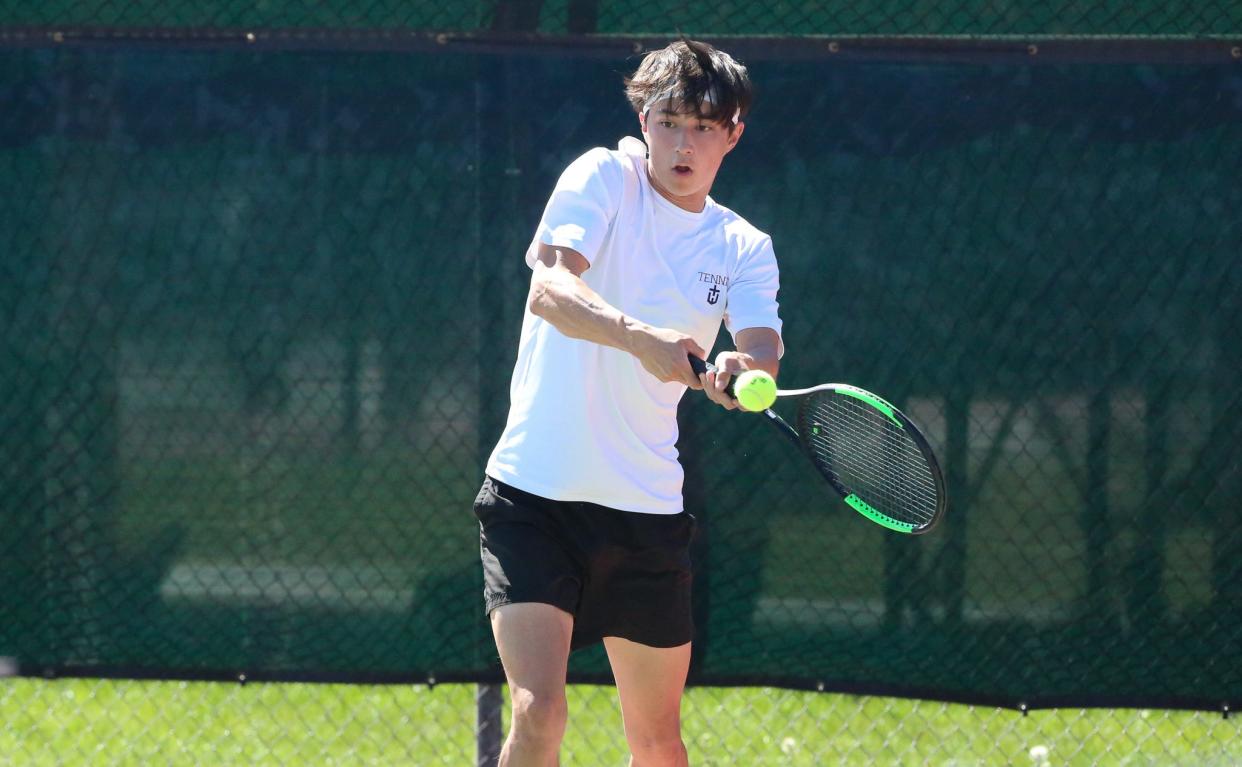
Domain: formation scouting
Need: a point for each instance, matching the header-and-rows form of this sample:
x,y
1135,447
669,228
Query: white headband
x,y
673,93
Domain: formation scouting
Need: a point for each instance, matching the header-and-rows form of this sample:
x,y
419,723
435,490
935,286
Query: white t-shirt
x,y
587,422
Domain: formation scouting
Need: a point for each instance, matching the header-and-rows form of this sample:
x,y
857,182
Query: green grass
x,y
104,722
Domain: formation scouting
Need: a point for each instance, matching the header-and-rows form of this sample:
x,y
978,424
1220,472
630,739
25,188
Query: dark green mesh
x,y
657,17
259,312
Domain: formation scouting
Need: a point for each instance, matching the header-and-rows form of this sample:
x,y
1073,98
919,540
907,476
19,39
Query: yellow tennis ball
x,y
755,390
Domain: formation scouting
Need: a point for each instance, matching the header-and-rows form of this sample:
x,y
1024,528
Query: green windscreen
x,y
651,17
258,310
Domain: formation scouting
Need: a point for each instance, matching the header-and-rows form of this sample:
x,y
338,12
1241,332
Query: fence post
x,y
501,280
487,725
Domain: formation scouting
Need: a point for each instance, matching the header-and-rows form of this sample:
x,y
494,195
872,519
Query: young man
x,y
583,535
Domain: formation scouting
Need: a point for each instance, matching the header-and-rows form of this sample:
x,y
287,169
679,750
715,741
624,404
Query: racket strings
x,y
890,486
870,456
885,489
882,489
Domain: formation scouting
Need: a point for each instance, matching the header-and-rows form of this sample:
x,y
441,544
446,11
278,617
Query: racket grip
x,y
700,367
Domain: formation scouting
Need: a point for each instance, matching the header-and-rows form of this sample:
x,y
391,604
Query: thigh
x,y
650,681
533,641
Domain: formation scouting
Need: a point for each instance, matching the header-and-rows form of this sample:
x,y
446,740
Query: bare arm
x,y
558,295
757,349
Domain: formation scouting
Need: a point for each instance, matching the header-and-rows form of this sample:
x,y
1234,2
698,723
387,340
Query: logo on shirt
x,y
715,280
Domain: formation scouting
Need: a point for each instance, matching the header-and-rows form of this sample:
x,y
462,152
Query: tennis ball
x,y
755,390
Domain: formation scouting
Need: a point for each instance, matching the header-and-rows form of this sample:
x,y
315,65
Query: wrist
x,y
631,334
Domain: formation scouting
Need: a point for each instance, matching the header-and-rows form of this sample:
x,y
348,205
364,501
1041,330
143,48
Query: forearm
x,y
764,359
573,308
762,346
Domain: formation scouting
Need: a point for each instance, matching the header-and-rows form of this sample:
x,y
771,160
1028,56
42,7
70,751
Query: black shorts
x,y
619,573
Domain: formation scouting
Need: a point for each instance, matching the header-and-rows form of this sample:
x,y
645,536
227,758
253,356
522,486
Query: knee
x,y
538,716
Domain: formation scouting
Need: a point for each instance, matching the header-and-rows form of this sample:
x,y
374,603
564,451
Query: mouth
x,y
682,170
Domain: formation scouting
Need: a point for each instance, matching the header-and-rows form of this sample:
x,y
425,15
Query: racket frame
x,y
884,407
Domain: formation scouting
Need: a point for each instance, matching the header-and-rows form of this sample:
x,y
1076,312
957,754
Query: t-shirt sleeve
x,y
582,206
752,292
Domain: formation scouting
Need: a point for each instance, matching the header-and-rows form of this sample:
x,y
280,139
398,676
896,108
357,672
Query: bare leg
x,y
533,640
650,681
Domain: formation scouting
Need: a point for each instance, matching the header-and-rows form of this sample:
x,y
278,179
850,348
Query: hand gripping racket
x,y
869,451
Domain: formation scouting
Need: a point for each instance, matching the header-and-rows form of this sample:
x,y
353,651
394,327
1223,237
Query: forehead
x,y
672,107
669,103
677,108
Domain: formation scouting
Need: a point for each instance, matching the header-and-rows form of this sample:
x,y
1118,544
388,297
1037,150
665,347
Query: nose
x,y
685,141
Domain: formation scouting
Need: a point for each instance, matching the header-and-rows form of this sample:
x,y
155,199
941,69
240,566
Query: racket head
x,y
874,456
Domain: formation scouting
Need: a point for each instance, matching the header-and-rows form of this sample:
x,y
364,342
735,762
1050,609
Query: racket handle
x,y
700,367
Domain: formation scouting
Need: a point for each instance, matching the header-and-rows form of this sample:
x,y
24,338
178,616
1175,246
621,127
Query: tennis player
x,y
583,534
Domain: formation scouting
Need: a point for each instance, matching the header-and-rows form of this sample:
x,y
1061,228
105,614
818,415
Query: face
x,y
685,153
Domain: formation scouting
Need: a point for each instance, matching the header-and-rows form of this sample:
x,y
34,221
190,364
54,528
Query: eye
x,y
705,127
665,123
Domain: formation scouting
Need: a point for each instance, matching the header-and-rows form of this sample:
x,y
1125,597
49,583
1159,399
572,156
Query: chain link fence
x,y
654,17
225,276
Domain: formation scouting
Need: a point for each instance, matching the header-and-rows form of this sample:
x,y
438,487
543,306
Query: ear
x,y
642,124
735,135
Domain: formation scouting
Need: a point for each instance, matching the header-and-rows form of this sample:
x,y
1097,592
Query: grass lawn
x,y
105,722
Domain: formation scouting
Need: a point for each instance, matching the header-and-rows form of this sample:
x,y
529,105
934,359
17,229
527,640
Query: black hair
x,y
704,80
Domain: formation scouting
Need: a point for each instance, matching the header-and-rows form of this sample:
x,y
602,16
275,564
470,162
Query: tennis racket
x,y
872,455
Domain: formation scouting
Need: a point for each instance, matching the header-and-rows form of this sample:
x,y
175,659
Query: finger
x,y
728,365
692,347
717,396
731,362
712,385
